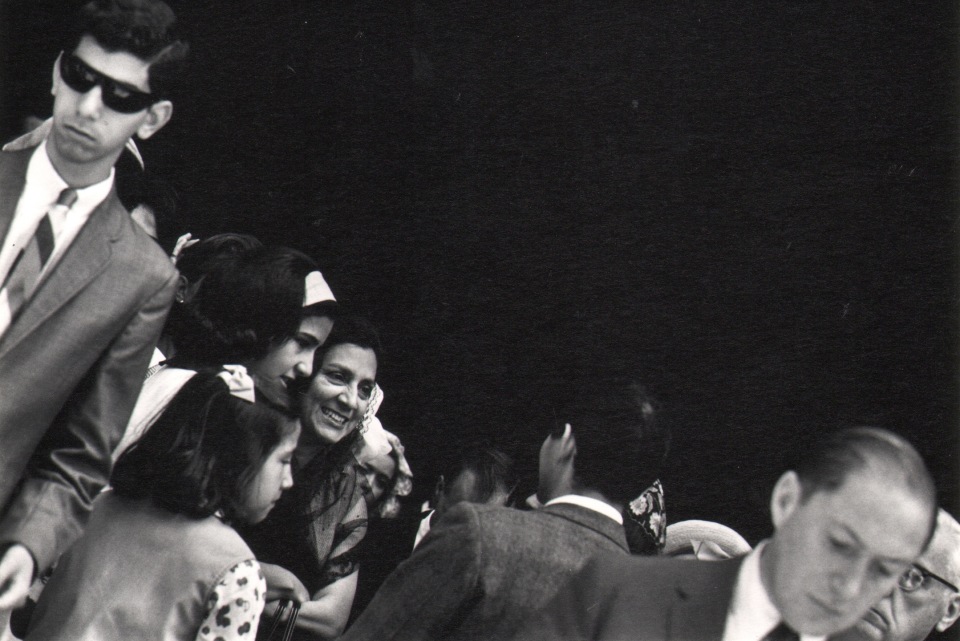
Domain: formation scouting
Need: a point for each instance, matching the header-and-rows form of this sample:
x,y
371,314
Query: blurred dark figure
x,y
484,570
481,474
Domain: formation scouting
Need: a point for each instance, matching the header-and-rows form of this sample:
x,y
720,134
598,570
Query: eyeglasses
x,y
913,578
118,96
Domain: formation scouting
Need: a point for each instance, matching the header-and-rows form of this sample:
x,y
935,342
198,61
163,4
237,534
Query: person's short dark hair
x,y
349,330
247,303
145,28
831,458
492,468
202,452
621,439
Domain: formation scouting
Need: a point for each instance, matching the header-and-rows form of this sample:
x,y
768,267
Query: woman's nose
x,y
304,366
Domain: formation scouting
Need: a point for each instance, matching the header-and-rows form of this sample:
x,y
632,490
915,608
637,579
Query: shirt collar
x,y
42,175
589,503
752,614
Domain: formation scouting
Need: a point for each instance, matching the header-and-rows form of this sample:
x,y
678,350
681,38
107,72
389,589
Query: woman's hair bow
x,y
238,382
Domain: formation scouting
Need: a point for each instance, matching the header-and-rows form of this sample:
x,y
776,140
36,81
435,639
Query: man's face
x,y
87,133
911,615
838,552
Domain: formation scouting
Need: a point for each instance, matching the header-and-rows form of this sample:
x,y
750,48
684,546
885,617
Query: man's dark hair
x,y
621,440
830,459
493,469
247,303
144,28
202,452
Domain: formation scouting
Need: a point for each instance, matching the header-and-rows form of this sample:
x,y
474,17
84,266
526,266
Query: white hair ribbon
x,y
316,290
238,382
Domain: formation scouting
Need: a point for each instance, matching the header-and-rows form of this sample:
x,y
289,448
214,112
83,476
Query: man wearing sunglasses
x,y
926,598
83,290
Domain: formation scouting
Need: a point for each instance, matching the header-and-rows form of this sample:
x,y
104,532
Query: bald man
x,y
927,597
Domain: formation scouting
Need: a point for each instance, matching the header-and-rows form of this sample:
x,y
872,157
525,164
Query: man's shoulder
x,y
133,245
15,161
508,533
638,573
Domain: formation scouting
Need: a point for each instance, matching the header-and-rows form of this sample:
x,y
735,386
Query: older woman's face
x,y
340,391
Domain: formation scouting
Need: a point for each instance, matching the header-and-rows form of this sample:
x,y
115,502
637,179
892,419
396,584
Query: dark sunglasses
x,y
118,96
913,578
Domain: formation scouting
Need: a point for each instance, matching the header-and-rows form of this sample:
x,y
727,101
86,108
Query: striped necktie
x,y
25,272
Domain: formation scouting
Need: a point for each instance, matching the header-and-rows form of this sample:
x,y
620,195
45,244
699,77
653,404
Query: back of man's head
x,y
621,439
481,474
145,28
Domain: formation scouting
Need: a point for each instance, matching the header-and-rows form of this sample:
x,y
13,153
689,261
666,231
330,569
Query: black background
x,y
753,206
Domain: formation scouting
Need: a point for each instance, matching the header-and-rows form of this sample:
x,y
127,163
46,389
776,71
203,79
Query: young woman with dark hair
x,y
159,557
264,308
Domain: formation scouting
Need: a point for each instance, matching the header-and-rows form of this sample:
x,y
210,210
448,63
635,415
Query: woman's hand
x,y
282,584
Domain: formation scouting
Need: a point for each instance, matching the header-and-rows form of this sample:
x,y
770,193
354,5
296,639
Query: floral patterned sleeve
x,y
235,604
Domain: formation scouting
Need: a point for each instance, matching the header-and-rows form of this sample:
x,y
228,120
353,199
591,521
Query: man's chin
x,y
870,628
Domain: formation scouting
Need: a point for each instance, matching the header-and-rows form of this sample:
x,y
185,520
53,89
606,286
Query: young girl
x,y
159,558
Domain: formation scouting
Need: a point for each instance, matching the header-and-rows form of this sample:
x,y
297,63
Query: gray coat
x,y
482,571
640,599
71,367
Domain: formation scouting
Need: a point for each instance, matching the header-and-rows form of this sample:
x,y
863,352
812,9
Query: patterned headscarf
x,y
376,442
645,521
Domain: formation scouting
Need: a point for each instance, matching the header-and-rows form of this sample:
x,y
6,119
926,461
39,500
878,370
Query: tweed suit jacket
x,y
482,570
71,367
640,598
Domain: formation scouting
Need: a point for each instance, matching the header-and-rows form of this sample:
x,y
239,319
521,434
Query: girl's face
x,y
293,358
375,476
274,476
340,391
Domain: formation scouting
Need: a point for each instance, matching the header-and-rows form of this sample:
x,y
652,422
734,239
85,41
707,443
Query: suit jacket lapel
x,y
700,609
13,174
85,258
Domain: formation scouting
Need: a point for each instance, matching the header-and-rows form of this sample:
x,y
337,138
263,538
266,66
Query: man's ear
x,y
55,76
787,494
952,613
158,115
440,486
568,444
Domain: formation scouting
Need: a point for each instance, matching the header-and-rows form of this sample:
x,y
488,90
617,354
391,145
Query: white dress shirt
x,y
591,504
752,615
40,192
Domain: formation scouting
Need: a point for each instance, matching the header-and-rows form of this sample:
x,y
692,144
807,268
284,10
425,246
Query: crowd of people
x,y
190,446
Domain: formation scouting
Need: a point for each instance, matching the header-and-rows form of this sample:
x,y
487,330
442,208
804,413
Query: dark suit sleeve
x,y
72,462
429,592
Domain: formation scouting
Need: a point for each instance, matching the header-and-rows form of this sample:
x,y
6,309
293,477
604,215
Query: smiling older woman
x,y
306,545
